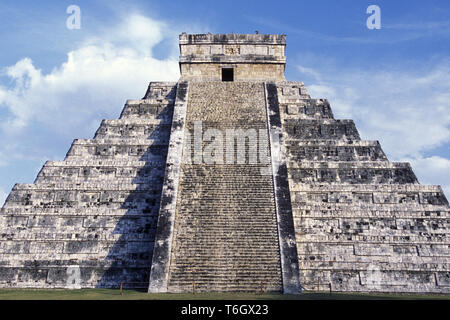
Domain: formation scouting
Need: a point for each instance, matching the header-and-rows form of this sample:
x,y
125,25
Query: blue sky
x,y
58,84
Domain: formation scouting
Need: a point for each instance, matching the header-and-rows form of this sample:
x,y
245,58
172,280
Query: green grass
x,y
110,294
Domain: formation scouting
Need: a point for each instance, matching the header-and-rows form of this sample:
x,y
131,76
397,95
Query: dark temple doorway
x,y
227,74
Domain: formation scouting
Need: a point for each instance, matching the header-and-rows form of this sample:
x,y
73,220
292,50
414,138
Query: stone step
x,y
389,188
151,129
383,237
352,164
208,237
227,195
62,212
225,286
221,254
370,197
258,221
23,187
292,92
148,107
215,260
82,171
331,143
143,140
235,126
147,121
352,172
141,196
104,163
212,274
333,150
144,149
220,247
64,260
89,234
372,227
99,172
97,234
148,156
159,90
307,109
400,262
233,280
230,281
320,129
207,274
91,276
348,211
110,176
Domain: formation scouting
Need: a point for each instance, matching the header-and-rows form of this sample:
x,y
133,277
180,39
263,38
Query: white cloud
x,y
93,83
433,170
95,77
143,32
442,26
3,196
408,111
316,75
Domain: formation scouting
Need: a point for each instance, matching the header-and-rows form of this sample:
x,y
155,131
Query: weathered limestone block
x,y
434,250
307,109
352,173
292,92
161,91
329,150
371,250
443,279
320,129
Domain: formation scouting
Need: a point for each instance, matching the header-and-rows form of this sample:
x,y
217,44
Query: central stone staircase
x,y
225,234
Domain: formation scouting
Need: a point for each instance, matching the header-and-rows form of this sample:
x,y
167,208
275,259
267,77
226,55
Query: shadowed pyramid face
x,y
232,179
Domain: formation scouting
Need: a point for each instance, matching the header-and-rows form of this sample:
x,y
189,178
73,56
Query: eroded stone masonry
x,y
136,204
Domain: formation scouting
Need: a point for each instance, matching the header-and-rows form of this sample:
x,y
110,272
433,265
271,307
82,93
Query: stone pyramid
x,y
231,179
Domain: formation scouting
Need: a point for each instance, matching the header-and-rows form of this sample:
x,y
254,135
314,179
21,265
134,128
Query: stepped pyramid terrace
x,y
231,179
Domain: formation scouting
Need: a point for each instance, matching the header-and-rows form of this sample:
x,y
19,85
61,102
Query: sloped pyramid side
x,y
362,223
90,220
